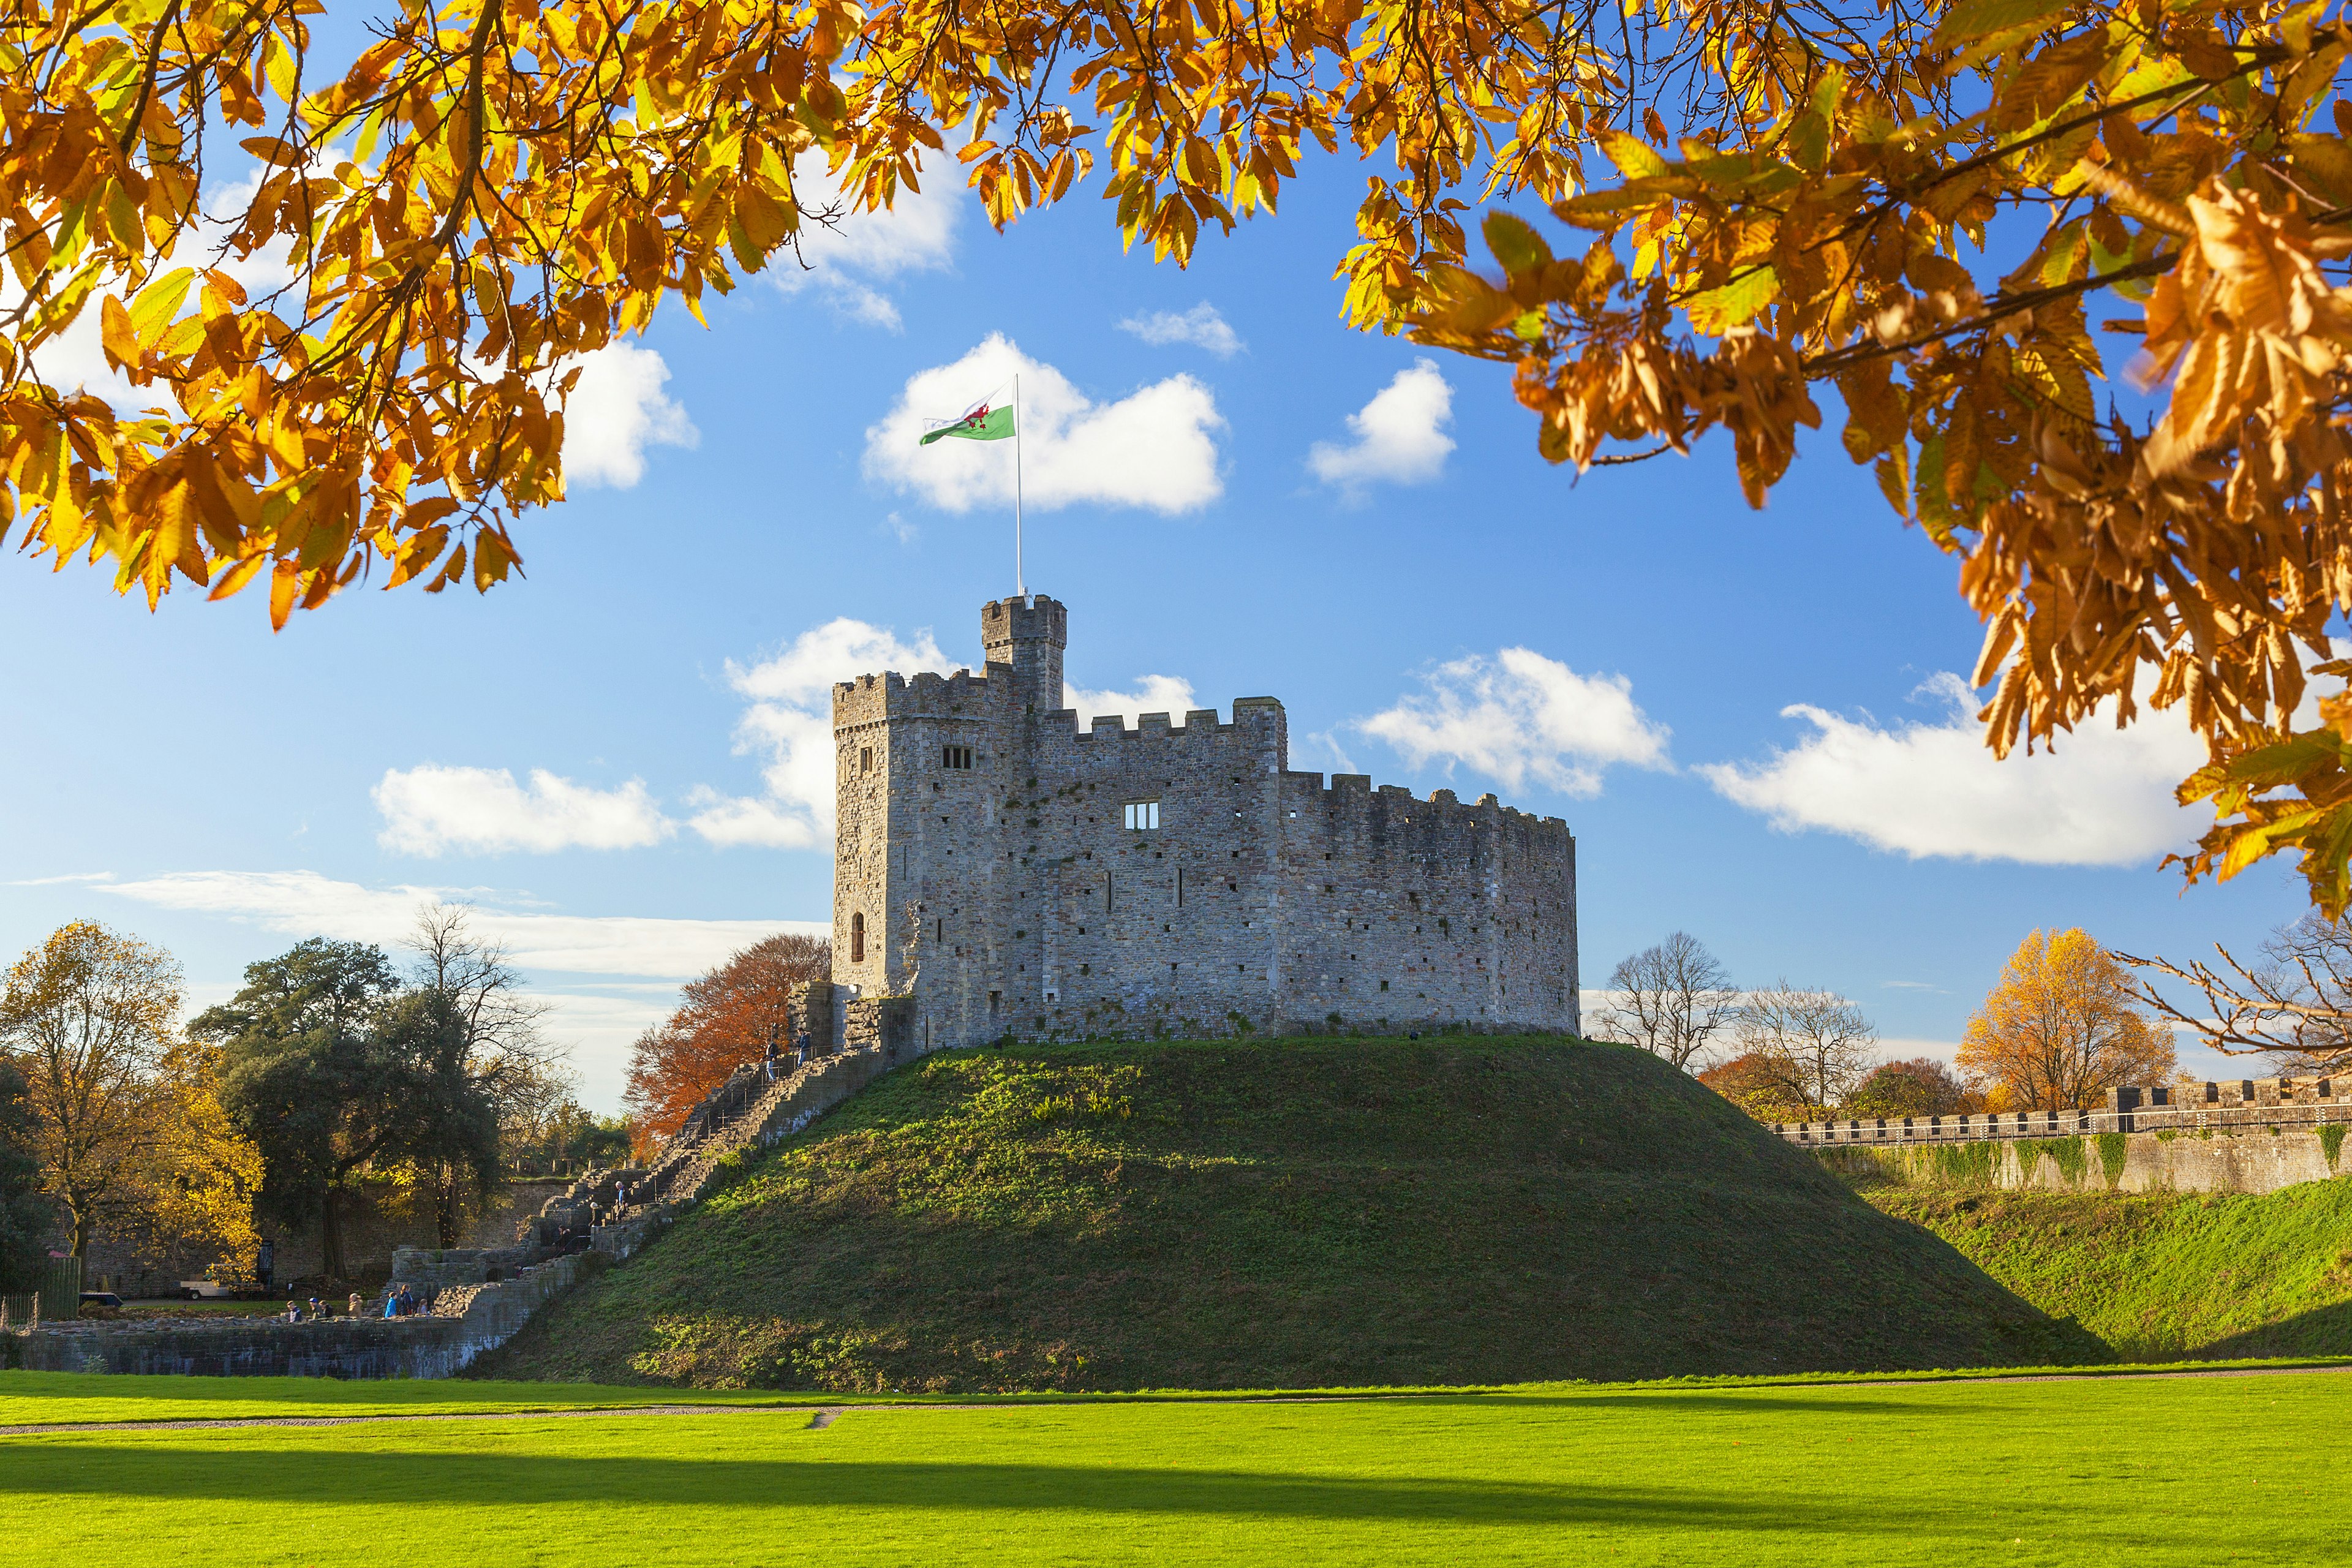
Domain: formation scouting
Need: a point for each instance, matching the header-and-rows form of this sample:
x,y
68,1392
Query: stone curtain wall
x,y
1010,898
2226,1160
1425,913
2235,1103
2245,1135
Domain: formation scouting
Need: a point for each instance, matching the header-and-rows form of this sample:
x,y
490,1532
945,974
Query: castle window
x,y
858,938
957,757
866,759
1143,815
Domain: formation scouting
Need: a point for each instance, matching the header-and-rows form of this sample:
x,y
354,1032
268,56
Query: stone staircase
x,y
746,1112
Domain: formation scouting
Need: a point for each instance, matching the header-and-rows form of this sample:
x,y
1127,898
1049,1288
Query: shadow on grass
x,y
2322,1330
99,1473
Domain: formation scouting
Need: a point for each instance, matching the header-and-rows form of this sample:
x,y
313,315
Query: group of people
x,y
400,1301
781,1062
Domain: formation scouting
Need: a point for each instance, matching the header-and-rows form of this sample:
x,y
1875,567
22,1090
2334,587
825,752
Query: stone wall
x,y
2196,1108
2261,1159
138,1264
883,1024
441,1345
986,865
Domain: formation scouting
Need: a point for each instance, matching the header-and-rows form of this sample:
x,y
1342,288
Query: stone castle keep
x,y
1009,874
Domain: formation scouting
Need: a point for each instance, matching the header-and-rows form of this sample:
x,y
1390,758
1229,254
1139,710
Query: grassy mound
x,y
1280,1213
2165,1275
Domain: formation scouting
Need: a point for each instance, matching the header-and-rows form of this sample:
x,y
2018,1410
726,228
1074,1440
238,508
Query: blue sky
x,y
1307,513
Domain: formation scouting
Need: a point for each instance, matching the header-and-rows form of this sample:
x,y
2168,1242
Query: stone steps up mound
x,y
743,1114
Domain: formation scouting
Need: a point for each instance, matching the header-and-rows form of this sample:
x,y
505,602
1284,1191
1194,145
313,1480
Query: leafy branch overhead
x,y
361,366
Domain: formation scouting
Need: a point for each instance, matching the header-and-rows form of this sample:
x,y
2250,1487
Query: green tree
x,y
450,1131
25,1215
306,1075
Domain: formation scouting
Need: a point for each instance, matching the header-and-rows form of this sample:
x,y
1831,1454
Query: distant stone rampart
x,y
2208,1107
2247,1135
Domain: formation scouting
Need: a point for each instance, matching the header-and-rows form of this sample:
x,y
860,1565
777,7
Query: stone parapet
x,y
2235,1104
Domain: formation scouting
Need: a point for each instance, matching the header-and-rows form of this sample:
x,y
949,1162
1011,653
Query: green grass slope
x,y
2164,1276
1279,1213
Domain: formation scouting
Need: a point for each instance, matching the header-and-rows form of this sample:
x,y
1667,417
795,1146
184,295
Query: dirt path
x,y
820,1416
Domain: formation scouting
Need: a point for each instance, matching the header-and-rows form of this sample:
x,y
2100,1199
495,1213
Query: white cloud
x,y
1519,715
1150,449
1200,326
304,903
790,721
844,262
617,408
1156,694
1398,436
2100,797
431,810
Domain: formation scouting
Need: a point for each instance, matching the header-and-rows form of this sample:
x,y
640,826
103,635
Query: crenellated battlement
x,y
2229,1103
876,699
1352,794
1252,717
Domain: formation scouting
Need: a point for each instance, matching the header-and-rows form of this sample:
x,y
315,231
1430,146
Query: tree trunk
x,y
330,1234
446,1206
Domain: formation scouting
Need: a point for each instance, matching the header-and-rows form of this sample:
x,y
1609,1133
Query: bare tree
x,y
2294,1007
506,1053
1816,1044
1670,999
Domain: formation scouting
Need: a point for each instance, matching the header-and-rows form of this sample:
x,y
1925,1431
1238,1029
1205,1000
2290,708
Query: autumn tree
x,y
1759,1083
1929,209
2063,1026
126,1125
1815,1044
1916,1086
2292,1005
728,1017
1671,999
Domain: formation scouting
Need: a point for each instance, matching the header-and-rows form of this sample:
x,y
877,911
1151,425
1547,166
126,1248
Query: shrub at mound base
x,y
1280,1213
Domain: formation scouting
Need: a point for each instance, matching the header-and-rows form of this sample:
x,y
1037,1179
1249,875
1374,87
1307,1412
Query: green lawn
x,y
2187,1470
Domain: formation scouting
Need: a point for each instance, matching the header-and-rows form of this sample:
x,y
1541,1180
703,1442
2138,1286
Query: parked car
x,y
204,1290
101,1299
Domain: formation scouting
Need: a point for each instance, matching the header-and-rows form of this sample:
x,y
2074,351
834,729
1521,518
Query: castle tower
x,y
1029,635
1006,869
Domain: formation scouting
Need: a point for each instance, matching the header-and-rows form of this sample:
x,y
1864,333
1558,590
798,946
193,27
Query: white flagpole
x,y
1020,578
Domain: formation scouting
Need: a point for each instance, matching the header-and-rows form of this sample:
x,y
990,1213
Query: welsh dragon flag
x,y
982,424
